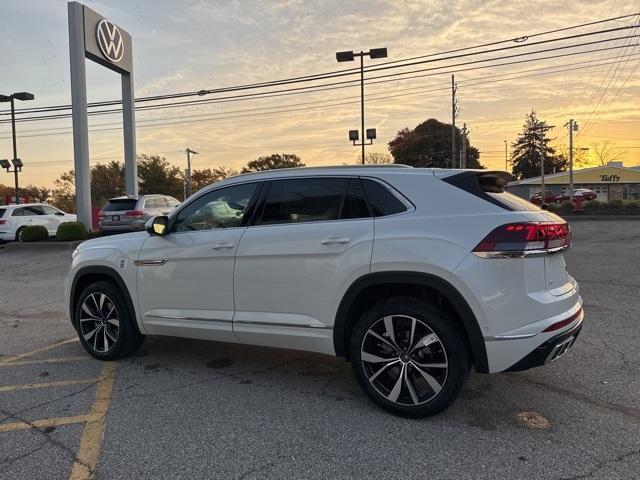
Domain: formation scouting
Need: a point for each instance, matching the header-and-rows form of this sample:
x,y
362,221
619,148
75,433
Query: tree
x,y
605,152
526,150
429,145
107,181
36,194
157,175
207,176
273,161
375,158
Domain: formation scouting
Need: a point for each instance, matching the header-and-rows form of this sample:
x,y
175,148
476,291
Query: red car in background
x,y
548,198
585,192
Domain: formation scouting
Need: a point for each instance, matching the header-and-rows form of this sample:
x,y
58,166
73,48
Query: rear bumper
x,y
135,226
550,350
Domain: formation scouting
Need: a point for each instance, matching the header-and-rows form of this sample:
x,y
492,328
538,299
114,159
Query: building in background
x,y
613,181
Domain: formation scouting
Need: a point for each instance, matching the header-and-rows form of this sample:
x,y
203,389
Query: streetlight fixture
x,y
349,56
17,163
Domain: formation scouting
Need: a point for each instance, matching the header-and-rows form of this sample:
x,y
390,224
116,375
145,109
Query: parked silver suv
x,y
129,214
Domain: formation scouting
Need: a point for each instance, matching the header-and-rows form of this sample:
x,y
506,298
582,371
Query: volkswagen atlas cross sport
x,y
413,275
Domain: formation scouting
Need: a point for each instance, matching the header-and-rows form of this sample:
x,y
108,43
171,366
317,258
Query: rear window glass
x,y
381,200
124,204
2,210
513,202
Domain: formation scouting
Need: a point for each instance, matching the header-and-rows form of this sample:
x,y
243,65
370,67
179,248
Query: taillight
x,y
524,239
2,222
134,213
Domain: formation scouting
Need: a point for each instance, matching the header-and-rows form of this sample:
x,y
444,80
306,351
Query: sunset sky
x,y
184,46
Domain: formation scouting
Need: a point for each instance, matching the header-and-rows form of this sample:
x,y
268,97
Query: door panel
x,y
185,279
289,280
193,289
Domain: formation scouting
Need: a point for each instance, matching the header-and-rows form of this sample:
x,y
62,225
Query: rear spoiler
x,y
480,183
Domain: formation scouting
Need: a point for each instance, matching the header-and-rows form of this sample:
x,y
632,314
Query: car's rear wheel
x,y
106,327
409,356
19,235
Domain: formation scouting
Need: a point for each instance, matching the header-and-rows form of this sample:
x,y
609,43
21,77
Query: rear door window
x,y
300,200
120,204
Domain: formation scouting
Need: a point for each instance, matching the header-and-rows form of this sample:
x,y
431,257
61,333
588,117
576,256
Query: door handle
x,y
223,245
335,241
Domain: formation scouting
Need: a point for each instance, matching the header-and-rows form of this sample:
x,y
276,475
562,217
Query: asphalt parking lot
x,y
191,409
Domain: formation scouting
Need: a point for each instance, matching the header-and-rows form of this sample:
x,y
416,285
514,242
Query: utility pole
x,y
454,113
463,153
188,171
573,127
506,157
542,195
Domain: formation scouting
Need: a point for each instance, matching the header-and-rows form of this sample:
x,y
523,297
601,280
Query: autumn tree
x,y
530,145
207,176
377,158
273,161
605,152
157,175
429,145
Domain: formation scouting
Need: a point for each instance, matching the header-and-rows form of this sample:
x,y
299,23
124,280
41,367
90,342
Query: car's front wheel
x,y
409,356
105,324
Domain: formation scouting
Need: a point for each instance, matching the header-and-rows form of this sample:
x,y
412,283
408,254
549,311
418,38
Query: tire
x,y
392,371
19,234
106,327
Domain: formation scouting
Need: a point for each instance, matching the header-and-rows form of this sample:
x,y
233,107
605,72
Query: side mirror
x,y
158,225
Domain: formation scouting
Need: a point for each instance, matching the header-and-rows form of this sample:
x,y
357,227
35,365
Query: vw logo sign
x,y
110,41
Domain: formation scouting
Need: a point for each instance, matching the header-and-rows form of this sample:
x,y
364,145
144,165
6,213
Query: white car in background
x,y
13,219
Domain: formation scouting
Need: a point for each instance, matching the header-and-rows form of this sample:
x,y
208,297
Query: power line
x,y
389,77
339,73
280,110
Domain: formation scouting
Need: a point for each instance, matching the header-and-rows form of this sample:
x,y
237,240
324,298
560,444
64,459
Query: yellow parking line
x,y
61,383
33,352
47,422
46,360
89,450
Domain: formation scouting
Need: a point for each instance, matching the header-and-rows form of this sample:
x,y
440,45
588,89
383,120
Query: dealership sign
x,y
94,37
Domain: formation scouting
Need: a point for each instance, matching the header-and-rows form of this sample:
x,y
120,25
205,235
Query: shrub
x,y
69,231
33,233
631,205
593,206
613,204
553,207
565,207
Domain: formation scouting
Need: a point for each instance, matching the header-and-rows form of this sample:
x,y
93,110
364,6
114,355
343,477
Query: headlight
x,y
74,254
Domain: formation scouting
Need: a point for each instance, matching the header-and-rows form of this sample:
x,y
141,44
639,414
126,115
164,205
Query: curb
x,y
40,246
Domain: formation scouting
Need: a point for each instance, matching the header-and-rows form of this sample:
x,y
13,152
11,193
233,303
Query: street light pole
x,y
349,56
15,148
362,101
11,98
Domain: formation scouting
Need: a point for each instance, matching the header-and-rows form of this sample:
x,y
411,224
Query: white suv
x,y
412,275
13,219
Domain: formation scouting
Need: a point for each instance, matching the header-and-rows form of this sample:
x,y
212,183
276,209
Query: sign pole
x,y
79,111
129,126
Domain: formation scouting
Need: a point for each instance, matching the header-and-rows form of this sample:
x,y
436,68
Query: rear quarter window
x,y
381,200
2,210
